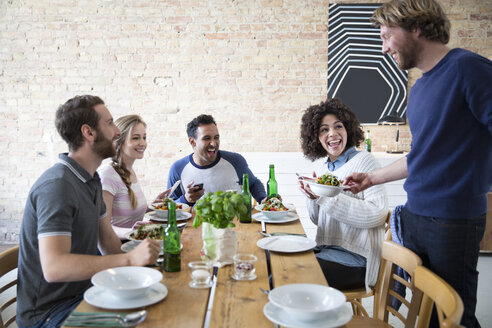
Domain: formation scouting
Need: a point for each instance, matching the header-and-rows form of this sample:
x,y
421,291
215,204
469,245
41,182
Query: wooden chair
x,y
8,262
436,291
394,255
355,296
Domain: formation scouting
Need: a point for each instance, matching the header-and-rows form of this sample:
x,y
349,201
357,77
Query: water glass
x,y
201,274
244,266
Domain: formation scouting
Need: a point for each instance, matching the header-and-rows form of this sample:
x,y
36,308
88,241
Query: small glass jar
x,y
244,266
201,274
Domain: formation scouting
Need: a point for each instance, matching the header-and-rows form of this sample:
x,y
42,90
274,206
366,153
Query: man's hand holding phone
x,y
194,192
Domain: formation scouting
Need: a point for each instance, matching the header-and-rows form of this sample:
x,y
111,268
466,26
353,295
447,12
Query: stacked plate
x,y
126,288
307,305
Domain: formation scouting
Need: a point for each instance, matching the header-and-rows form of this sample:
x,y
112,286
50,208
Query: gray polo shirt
x,y
65,201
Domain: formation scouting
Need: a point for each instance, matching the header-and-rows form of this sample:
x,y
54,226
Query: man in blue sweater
x,y
448,170
208,168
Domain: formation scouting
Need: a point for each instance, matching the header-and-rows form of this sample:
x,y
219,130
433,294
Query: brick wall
x,y
253,64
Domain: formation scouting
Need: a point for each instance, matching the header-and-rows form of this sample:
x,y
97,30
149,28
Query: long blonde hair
x,y
125,124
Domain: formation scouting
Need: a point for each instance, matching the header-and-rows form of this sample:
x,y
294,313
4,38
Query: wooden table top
x,y
236,303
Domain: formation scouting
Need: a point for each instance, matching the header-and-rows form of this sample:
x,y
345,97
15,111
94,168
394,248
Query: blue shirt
x,y
450,116
342,159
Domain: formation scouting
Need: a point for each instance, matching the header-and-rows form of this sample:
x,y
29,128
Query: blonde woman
x,y
122,193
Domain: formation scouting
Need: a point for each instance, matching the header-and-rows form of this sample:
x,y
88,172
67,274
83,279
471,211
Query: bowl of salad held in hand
x,y
273,208
326,185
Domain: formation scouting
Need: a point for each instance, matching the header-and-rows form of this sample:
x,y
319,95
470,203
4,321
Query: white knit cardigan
x,y
354,222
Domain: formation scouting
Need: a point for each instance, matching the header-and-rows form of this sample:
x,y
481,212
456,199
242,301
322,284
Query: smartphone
x,y
199,185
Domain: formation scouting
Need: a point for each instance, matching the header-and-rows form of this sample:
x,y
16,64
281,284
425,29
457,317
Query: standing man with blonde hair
x,y
448,170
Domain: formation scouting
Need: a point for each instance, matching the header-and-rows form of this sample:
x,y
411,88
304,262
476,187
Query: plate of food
x,y
327,185
161,210
149,230
273,208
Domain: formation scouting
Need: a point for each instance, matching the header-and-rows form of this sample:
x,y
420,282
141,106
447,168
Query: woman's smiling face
x,y
332,136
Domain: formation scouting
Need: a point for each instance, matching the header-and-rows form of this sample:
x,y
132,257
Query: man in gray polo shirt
x,y
64,221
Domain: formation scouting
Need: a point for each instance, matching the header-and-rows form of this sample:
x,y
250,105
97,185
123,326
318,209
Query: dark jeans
x,y
450,248
57,315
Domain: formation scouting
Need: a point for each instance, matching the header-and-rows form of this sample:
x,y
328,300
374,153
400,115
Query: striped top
x,y
354,222
122,214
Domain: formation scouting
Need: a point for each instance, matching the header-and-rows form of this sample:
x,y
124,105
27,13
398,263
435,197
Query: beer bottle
x,y
246,217
272,184
368,142
172,242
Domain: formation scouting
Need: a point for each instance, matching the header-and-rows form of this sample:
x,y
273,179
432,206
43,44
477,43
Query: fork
x,y
265,234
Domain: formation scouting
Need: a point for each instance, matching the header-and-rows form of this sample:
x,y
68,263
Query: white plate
x,y
292,216
279,316
100,297
180,216
286,244
130,246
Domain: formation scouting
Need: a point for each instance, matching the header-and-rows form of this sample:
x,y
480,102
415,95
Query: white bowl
x,y
275,214
307,302
127,282
324,190
164,213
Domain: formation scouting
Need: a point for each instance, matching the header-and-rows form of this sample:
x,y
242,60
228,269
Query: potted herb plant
x,y
215,212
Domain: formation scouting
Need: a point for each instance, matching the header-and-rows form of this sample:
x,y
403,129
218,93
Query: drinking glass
x,y
244,266
201,274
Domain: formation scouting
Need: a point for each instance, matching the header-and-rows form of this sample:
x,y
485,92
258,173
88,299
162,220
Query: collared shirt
x,y
65,201
342,159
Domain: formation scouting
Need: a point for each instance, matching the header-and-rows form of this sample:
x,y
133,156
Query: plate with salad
x,y
273,208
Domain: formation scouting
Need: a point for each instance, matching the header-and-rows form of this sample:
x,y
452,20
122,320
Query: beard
x,y
408,56
103,146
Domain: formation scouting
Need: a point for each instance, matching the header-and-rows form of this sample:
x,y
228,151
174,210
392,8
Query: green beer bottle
x,y
272,184
246,217
367,142
172,242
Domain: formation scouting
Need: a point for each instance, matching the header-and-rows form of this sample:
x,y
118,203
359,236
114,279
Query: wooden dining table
x,y
235,303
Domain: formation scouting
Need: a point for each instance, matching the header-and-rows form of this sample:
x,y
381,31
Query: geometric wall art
x,y
367,81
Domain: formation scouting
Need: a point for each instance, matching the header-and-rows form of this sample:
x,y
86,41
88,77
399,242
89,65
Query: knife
x,y
173,188
210,302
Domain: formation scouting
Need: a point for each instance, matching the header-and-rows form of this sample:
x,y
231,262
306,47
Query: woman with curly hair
x,y
350,227
122,193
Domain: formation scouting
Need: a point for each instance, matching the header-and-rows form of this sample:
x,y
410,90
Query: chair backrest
x,y
387,229
394,255
8,262
436,291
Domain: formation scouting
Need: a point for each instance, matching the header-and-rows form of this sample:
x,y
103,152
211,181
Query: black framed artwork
x,y
367,81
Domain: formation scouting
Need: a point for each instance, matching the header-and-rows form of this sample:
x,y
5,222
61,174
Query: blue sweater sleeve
x,y
476,72
241,166
175,175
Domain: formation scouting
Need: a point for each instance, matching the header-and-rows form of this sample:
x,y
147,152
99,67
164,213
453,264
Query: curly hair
x,y
427,15
125,124
193,125
74,113
311,122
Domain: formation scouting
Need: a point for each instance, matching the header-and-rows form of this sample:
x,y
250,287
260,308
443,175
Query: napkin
x,y
77,321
